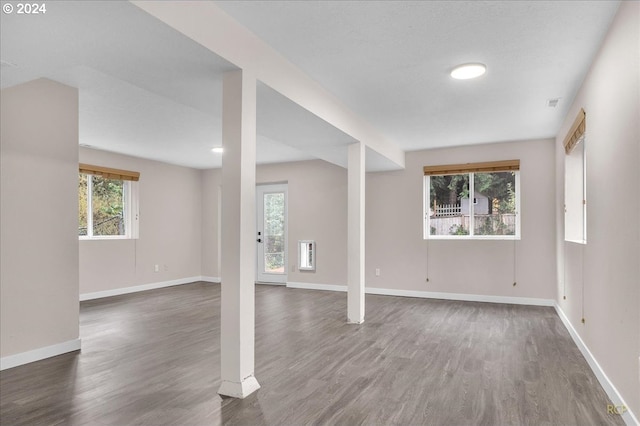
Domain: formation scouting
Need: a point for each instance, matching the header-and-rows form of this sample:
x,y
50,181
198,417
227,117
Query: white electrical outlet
x,y
156,268
377,272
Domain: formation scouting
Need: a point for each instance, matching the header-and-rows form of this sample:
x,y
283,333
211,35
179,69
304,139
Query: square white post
x,y
355,233
237,335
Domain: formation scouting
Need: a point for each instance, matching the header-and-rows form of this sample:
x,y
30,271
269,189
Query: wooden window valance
x,y
486,167
109,173
576,132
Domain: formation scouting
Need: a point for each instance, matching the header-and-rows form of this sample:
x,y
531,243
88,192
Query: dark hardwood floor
x,y
153,358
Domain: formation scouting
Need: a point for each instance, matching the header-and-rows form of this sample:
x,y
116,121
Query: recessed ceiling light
x,y
467,71
218,150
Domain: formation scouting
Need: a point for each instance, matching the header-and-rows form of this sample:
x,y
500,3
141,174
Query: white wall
x,y
601,278
170,228
395,244
39,222
317,211
211,181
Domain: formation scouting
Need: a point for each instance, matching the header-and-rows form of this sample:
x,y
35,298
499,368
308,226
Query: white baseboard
x,y
239,390
430,294
310,286
38,354
460,296
137,288
217,280
628,417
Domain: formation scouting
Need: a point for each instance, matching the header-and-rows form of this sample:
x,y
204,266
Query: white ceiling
x,y
389,61
146,90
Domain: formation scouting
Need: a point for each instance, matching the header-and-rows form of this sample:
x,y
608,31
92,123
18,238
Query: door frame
x,y
261,190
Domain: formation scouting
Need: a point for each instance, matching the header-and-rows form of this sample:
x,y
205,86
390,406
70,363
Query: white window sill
x,y
576,241
475,237
105,237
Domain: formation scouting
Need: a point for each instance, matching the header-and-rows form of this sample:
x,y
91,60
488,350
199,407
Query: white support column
x,y
237,338
355,231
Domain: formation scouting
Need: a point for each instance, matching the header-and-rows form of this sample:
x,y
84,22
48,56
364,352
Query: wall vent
x,y
552,103
5,64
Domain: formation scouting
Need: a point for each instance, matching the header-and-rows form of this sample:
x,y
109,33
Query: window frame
x,y
130,209
426,205
576,137
582,145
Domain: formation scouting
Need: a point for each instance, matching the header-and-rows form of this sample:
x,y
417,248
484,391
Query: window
x,y
107,203
575,191
479,201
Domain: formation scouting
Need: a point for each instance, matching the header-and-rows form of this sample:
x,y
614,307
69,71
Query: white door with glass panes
x,y
271,233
